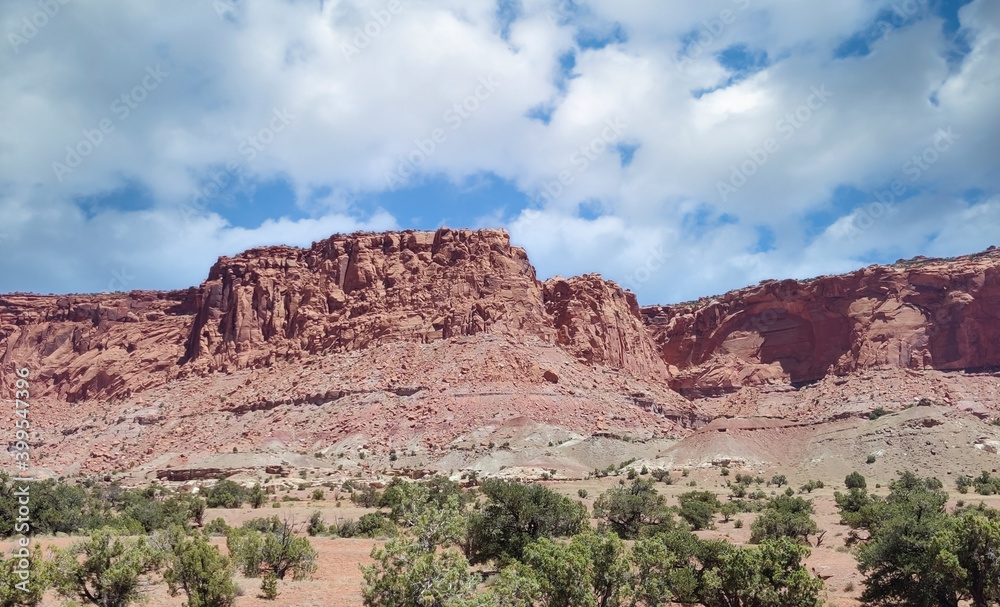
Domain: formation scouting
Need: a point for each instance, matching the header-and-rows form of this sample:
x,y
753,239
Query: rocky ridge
x,y
444,346
917,314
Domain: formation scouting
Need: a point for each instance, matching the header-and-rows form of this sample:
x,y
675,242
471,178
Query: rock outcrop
x,y
916,314
343,294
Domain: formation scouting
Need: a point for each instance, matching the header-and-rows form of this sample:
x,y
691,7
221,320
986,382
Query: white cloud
x,y
356,116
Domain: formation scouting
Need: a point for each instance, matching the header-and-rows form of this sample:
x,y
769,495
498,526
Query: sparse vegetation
x,y
698,508
855,480
516,515
785,517
633,510
810,486
877,413
917,553
984,484
271,546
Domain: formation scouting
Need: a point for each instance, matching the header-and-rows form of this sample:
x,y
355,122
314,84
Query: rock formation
x,y
916,314
342,294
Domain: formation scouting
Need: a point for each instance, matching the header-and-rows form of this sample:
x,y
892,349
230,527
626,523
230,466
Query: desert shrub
x,y
784,517
107,569
769,574
347,528
315,525
728,510
919,554
369,497
269,586
582,493
698,508
517,514
225,494
877,413
855,480
779,480
631,510
663,476
810,486
986,484
375,524
257,496
216,526
199,570
278,551
15,591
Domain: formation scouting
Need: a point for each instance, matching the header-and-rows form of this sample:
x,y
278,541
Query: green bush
x,y
698,508
18,592
375,525
855,480
784,517
269,586
810,486
279,551
517,514
877,413
347,528
216,526
631,510
199,570
919,554
106,569
225,494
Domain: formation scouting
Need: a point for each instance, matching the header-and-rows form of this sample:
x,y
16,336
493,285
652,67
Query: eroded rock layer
x,y
342,294
916,314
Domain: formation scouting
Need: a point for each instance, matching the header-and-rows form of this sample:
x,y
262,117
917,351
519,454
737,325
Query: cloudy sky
x,y
680,148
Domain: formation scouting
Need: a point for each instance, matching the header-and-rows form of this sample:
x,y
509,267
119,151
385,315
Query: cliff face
x,y
342,294
918,314
349,292
80,347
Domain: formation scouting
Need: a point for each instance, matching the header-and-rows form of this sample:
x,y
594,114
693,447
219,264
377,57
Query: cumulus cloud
x,y
738,137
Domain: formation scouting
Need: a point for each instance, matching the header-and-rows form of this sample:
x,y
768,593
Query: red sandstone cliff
x,y
342,294
916,314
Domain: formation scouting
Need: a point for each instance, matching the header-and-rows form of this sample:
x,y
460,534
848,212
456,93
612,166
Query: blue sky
x,y
736,140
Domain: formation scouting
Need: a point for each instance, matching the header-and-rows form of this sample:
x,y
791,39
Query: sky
x,y
679,148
